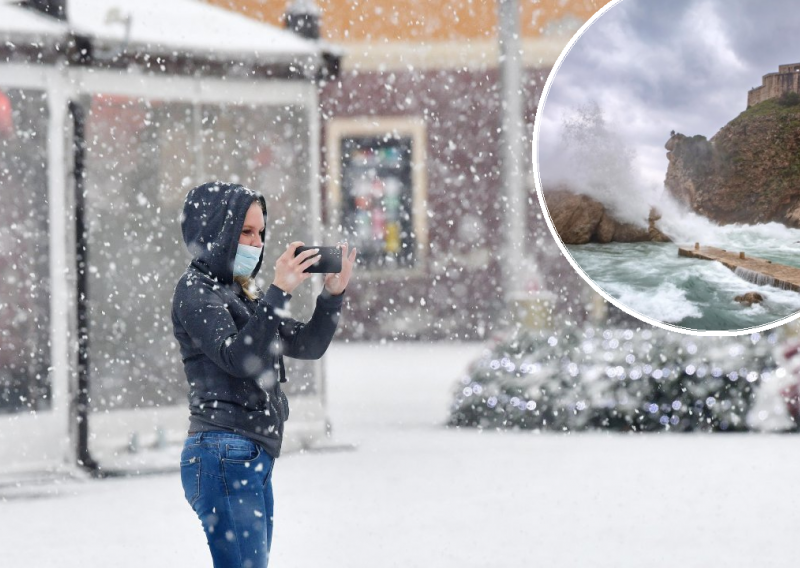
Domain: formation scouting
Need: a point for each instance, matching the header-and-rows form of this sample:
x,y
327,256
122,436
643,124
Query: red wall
x,y
461,110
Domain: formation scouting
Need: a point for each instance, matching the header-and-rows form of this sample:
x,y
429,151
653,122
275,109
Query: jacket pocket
x,y
283,404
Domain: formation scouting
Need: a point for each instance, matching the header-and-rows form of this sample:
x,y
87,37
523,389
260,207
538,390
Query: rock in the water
x,y
655,234
575,217
629,233
749,298
605,229
580,219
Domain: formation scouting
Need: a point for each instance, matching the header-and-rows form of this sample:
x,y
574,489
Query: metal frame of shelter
x,y
67,433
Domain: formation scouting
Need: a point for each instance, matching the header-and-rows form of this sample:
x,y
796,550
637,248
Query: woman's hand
x,y
289,268
336,283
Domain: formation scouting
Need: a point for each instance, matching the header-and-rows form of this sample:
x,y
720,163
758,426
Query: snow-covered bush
x,y
615,379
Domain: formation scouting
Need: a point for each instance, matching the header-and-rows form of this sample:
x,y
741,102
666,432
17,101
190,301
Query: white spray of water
x,y
666,302
760,279
592,159
684,226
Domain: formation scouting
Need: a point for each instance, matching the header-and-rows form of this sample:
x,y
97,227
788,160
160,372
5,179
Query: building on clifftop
x,y
786,80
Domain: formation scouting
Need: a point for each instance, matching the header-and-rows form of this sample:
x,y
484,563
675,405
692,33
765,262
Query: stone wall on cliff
x,y
749,172
773,85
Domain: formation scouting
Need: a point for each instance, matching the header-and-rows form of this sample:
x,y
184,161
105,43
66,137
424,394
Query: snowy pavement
x,y
416,494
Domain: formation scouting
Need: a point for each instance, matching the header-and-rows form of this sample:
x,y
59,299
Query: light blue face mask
x,y
246,260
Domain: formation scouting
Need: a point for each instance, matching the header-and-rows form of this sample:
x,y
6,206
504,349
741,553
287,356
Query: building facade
x,y
411,159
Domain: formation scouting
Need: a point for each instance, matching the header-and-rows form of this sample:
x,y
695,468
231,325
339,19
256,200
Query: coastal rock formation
x,y
749,172
579,219
749,298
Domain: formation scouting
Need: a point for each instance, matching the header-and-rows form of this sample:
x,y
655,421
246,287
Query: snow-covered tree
x,y
617,378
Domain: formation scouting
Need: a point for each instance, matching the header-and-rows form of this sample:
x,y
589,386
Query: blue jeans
x,y
227,479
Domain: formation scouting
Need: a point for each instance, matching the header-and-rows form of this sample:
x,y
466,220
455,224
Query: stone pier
x,y
767,272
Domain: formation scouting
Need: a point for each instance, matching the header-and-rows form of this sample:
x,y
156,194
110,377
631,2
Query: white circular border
x,y
540,192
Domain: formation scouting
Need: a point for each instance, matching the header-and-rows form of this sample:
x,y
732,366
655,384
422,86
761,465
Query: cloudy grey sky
x,y
657,65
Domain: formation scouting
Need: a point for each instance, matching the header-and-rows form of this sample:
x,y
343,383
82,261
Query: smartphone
x,y
330,259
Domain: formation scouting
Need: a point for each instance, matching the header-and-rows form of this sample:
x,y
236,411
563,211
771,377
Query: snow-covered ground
x,y
413,493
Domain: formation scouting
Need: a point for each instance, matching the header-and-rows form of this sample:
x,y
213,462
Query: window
x,y
377,189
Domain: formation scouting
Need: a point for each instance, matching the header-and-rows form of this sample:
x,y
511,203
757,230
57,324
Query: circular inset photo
x,y
667,161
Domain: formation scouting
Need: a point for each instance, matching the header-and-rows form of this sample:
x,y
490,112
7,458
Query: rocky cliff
x,y
749,172
579,219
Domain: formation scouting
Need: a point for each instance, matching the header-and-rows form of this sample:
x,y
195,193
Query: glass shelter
x,y
109,113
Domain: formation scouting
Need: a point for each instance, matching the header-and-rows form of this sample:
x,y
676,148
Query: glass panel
x,y
265,148
24,252
140,162
142,158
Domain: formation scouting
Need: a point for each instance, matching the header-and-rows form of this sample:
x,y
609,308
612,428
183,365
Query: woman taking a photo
x,y
233,338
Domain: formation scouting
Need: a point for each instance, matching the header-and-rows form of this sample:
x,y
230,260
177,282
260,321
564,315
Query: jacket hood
x,y
211,222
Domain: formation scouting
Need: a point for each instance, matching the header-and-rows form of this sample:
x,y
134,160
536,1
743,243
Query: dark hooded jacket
x,y
232,347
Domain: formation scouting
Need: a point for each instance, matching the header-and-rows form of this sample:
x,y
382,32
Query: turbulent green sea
x,y
651,279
